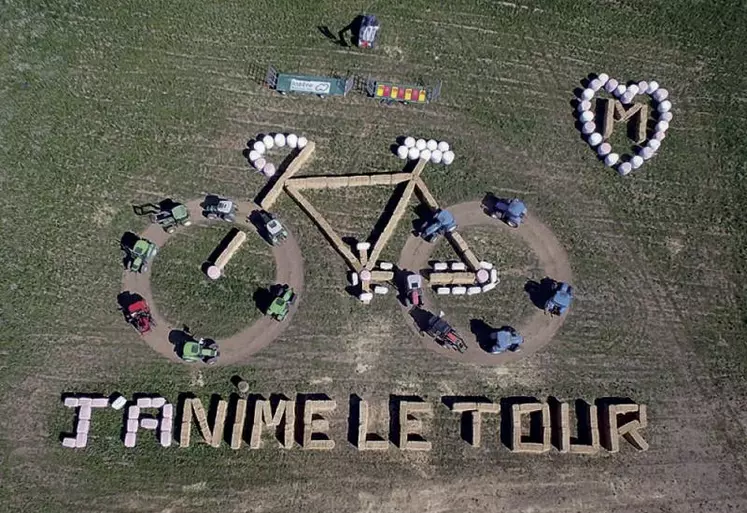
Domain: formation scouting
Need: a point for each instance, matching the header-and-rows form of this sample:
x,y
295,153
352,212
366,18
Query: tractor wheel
x,y
187,223
170,230
211,216
230,218
512,224
211,361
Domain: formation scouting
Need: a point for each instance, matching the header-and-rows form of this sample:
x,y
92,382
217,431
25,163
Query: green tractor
x,y
202,349
139,255
282,298
171,218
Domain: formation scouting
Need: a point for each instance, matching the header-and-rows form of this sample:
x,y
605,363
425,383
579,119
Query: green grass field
x,y
109,104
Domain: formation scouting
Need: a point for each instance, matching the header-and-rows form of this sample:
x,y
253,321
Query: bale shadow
x,y
354,419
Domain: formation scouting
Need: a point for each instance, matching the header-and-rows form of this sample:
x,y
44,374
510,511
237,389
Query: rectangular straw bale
x,y
100,402
608,116
144,402
71,402
84,413
326,228
359,181
167,411
382,276
166,438
158,402
68,442
132,425
238,239
130,440
238,424
293,168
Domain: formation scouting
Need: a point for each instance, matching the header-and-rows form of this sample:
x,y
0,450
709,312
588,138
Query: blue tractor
x,y
442,222
511,212
505,339
561,295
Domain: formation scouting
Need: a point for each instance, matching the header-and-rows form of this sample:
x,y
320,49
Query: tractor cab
x,y
367,32
276,232
283,298
170,219
560,300
223,208
442,222
414,293
204,349
506,339
139,317
139,255
512,212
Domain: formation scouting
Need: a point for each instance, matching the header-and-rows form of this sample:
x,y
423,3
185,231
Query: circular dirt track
x,y
538,329
238,347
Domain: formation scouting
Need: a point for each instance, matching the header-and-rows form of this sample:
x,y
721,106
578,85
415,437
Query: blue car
x,y
560,300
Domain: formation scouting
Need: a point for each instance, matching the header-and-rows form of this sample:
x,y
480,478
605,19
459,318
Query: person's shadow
x,y
353,28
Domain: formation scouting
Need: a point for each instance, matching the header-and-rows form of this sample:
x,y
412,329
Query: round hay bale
x,y
586,116
611,85
431,144
448,157
588,128
259,164
302,141
595,85
584,106
413,154
665,116
483,276
426,154
213,272
604,149
410,142
269,170
443,146
420,144
587,94
642,87
259,146
291,140
661,126
624,168
269,141
660,95
646,152
611,159
620,90
627,98
254,155
402,152
654,144
279,140
636,162
595,138
659,136
365,275
653,86
436,156
664,106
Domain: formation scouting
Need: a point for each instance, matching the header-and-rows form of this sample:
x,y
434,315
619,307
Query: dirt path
x,y
539,328
237,348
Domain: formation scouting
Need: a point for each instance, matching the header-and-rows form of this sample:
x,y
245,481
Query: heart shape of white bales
x,y
625,94
262,143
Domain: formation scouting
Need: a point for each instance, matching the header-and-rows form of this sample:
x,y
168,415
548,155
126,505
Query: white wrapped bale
x,y
652,87
413,154
595,139
604,149
363,246
436,156
366,297
380,289
386,266
259,164
586,116
611,85
483,276
443,146
148,423
636,161
660,95
611,159
493,275
624,168
588,128
458,290
664,106
659,136
584,106
420,144
458,266
488,287
119,402
402,152
627,98
654,144
269,170
471,291
633,89
99,402
84,401
71,402
443,291
165,438
68,442
620,90
440,266
646,152
665,116
144,402
84,413
448,157
431,145
661,126
268,141
642,87
425,154
158,402
167,425
132,425
167,411
302,141
279,140
587,94
83,426
133,412
365,275
291,140
130,439
410,142
81,440
485,265
595,85
353,279
259,147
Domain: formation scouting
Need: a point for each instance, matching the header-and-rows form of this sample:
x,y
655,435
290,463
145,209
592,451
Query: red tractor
x,y
414,292
139,316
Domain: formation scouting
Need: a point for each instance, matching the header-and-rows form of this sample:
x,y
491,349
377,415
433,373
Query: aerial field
x,y
107,105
